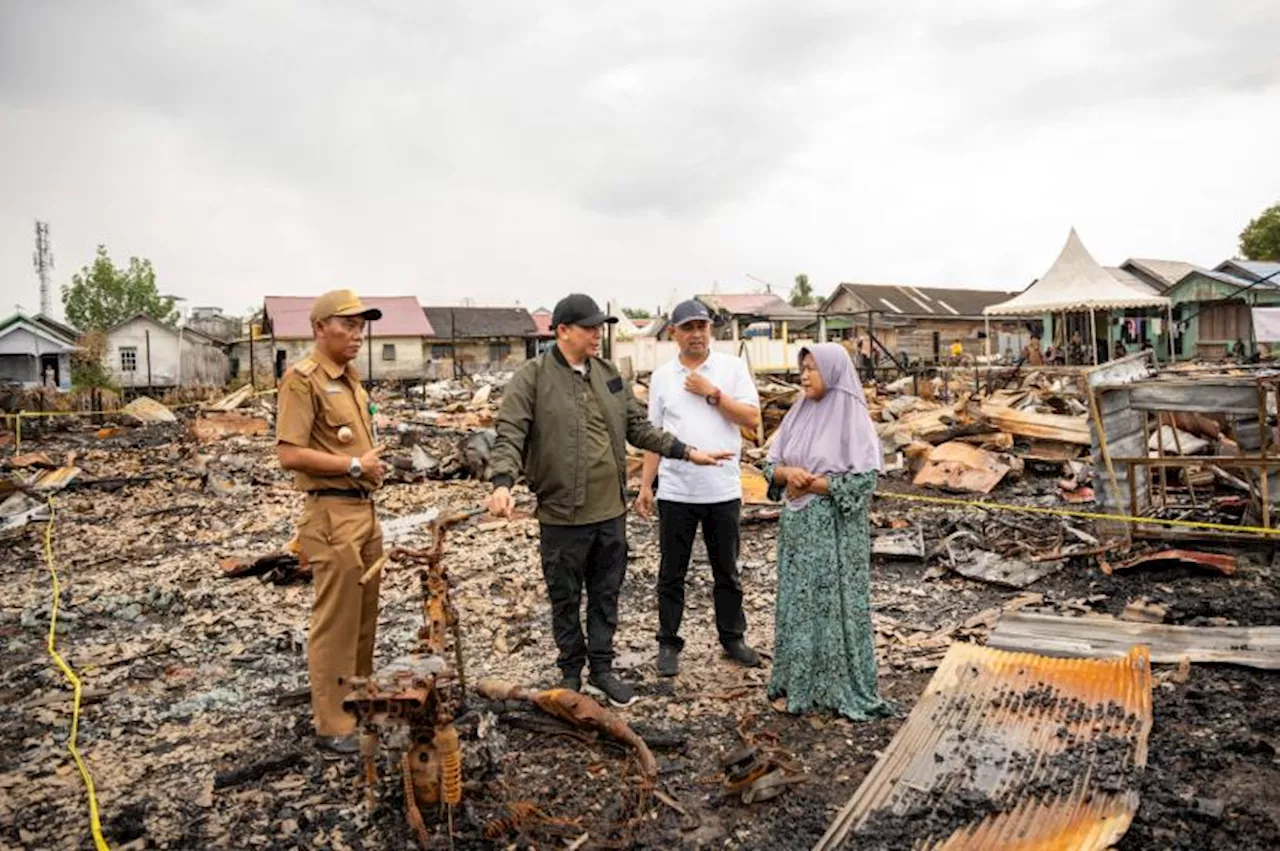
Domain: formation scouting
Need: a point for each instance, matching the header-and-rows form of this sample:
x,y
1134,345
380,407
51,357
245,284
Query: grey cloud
x,y
509,147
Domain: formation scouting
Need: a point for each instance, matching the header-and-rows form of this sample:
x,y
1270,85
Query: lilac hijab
x,y
832,435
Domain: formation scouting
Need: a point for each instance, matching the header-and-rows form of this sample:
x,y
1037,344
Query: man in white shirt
x,y
703,397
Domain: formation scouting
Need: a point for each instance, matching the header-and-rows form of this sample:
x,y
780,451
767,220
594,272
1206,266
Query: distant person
x,y
824,462
957,351
1238,350
1119,351
703,397
565,420
1075,350
1032,354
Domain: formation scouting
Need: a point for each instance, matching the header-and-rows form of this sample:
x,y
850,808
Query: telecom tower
x,y
44,262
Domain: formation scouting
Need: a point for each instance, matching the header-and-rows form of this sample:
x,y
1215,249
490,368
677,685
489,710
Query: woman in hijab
x,y
824,462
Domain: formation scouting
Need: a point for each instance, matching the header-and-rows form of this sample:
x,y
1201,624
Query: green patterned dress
x,y
824,654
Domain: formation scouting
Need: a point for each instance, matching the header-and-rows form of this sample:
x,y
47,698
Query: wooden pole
x,y
453,340
148,334
1095,410
1093,335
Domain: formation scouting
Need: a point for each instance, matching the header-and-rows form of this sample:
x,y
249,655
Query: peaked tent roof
x,y
1075,282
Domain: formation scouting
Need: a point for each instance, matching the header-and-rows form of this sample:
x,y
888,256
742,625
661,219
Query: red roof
x,y
402,316
542,319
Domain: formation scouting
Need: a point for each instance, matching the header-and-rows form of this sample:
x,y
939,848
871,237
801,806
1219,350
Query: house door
x,y
280,359
50,375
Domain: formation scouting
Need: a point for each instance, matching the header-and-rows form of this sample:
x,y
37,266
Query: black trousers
x,y
677,527
594,557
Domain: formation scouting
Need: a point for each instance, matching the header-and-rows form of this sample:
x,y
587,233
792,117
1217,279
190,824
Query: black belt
x,y
353,493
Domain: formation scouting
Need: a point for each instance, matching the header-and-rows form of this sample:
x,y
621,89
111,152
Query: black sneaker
x,y
571,682
740,652
339,745
607,685
668,660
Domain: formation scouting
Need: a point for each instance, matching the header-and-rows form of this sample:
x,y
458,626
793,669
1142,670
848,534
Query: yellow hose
x,y
95,825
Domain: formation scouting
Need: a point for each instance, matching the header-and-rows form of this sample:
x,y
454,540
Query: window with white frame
x,y
128,358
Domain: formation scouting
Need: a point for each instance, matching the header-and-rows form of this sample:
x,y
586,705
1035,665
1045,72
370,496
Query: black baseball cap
x,y
579,309
690,311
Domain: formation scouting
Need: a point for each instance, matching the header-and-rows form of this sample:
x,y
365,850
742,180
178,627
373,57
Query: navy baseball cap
x,y
579,309
690,311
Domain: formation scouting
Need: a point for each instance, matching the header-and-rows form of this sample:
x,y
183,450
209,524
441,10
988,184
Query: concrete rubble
x,y
185,608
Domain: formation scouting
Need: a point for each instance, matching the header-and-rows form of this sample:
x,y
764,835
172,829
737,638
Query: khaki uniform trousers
x,y
340,537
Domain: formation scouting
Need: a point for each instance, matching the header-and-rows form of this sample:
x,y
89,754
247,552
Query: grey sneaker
x,y
607,685
668,660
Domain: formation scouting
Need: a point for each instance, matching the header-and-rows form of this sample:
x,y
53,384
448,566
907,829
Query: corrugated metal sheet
x,y
1011,751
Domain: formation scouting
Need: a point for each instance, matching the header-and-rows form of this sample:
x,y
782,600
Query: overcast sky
x,y
515,151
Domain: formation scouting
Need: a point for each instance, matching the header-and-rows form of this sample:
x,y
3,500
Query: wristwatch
x,y
354,470
714,399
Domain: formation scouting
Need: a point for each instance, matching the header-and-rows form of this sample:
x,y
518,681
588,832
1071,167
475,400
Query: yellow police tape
x,y
95,824
1067,512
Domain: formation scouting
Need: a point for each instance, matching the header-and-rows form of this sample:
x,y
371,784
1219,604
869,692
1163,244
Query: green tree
x,y
636,313
802,294
1260,240
102,295
88,369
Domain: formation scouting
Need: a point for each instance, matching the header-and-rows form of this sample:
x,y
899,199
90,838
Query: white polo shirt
x,y
702,426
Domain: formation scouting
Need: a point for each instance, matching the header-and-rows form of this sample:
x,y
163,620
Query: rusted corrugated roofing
x,y
1011,751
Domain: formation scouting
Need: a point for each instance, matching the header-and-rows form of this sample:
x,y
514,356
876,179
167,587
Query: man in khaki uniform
x,y
324,434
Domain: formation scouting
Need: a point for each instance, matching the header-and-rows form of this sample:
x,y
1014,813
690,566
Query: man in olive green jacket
x,y
565,421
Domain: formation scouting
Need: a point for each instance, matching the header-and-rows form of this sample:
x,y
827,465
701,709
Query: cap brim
x,y
596,320
373,314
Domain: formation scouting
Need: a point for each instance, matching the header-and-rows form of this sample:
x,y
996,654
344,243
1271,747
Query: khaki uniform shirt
x,y
323,406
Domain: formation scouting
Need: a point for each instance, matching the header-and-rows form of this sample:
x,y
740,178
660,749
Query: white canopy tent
x,y
1076,283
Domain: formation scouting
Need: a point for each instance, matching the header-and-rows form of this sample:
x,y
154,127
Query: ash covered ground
x,y
189,675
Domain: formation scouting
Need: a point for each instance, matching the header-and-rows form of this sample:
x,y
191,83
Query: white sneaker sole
x,y
598,692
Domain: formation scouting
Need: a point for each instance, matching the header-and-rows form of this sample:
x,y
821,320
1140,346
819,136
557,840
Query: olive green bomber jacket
x,y
541,430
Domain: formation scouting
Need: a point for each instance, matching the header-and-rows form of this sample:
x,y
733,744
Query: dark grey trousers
x,y
593,557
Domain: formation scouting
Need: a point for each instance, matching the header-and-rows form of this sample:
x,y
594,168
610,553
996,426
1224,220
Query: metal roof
x,y
1126,277
1167,272
916,302
1254,270
480,322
